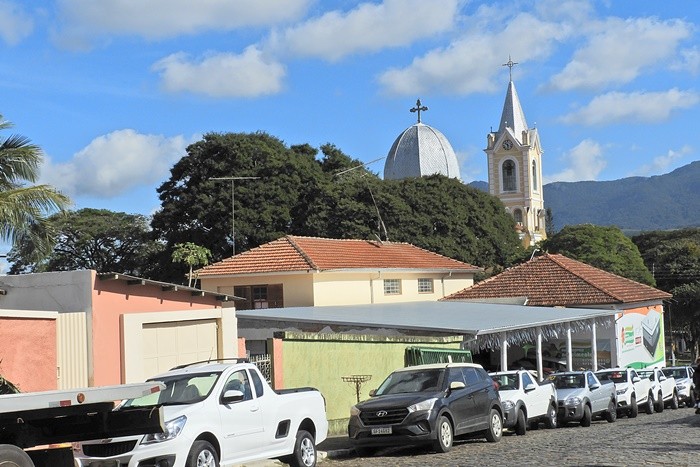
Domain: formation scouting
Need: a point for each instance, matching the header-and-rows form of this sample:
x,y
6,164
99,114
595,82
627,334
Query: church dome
x,y
420,150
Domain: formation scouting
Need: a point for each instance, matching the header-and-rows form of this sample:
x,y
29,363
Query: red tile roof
x,y
555,280
292,253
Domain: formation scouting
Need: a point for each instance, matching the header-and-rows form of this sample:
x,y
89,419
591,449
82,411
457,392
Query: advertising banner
x,y
640,338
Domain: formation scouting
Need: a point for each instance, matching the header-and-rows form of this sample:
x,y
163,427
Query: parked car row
x,y
432,405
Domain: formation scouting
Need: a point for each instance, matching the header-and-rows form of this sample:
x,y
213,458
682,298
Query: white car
x,y
663,388
218,413
633,391
525,402
683,375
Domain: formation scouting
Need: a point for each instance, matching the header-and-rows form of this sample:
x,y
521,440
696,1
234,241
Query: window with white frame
x,y
425,285
392,286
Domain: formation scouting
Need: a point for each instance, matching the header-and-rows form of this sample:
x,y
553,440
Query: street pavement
x,y
668,438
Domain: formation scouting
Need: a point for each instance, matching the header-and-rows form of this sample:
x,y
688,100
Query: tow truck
x,y
36,428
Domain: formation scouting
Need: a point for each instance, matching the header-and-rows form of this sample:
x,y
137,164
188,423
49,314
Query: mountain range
x,y
633,204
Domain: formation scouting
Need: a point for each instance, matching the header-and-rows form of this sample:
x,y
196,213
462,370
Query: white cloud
x,y
15,24
115,163
635,107
618,50
249,74
585,161
169,18
470,63
689,61
368,28
662,164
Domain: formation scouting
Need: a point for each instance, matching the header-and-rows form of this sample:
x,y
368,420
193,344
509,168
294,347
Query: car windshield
x,y
181,389
410,381
675,373
614,376
568,381
646,374
506,382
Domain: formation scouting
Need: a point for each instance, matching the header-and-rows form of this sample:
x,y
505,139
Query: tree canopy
x,y
96,239
674,258
24,208
297,190
606,248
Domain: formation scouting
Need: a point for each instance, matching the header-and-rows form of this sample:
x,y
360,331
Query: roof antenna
x,y
380,222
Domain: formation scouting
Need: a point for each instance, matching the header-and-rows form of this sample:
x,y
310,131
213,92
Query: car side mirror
x,y
662,378
232,395
595,386
372,393
529,387
457,385
636,379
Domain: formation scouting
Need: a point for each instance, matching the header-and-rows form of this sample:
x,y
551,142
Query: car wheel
x,y
445,435
202,454
659,404
634,408
495,431
521,423
649,406
691,400
551,420
12,456
304,454
587,416
674,401
611,414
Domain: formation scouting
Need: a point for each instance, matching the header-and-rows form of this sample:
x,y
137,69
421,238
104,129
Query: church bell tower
x,y
515,167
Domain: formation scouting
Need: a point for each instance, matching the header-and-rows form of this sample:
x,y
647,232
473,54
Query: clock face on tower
x,y
507,144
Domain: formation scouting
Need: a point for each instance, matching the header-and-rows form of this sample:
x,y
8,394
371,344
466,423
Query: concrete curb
x,y
336,453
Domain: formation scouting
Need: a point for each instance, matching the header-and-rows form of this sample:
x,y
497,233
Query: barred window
x,y
392,286
425,285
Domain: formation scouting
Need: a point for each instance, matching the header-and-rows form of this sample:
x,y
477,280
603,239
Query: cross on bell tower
x,y
419,108
510,64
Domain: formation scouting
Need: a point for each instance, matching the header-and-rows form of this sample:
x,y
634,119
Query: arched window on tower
x,y
518,216
534,175
509,176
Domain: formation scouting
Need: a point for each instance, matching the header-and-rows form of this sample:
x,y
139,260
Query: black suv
x,y
427,404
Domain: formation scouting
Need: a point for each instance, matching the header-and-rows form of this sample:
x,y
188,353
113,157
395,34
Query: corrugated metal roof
x,y
449,317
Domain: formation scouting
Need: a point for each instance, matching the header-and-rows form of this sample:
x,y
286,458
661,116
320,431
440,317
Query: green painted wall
x,y
321,360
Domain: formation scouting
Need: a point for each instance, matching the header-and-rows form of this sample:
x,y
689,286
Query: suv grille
x,y
383,417
108,449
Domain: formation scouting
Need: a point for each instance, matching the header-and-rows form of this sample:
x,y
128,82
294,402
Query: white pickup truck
x,y
663,388
525,402
633,391
35,426
219,413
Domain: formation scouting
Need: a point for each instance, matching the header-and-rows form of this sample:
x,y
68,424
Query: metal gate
x,y
264,364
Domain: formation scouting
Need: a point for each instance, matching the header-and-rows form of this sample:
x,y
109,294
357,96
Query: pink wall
x,y
111,299
277,364
30,362
241,347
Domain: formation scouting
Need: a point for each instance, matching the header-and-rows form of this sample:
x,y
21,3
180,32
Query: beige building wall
x,y
298,288
347,288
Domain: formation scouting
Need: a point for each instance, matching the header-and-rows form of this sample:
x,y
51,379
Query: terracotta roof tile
x,y
555,280
293,253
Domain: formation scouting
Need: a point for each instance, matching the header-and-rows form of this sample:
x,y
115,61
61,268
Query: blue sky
x,y
114,90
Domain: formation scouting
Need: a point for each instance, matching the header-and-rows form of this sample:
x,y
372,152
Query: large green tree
x,y
606,248
674,258
24,208
96,239
297,190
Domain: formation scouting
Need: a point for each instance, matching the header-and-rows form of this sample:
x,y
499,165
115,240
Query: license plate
x,y
381,431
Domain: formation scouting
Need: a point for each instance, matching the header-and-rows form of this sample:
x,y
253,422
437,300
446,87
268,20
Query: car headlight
x,y
681,386
354,411
507,405
621,391
172,429
423,405
573,401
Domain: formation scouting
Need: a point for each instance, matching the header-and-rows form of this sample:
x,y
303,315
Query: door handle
x,y
255,408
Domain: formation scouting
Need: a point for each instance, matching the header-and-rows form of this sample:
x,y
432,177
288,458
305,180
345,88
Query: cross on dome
x,y
419,108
